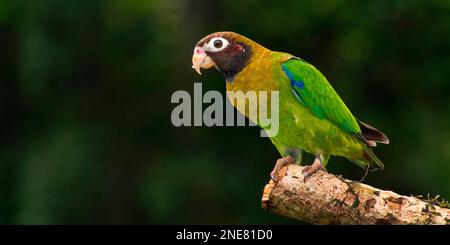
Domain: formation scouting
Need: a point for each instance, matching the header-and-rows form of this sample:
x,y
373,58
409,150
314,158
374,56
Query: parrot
x,y
312,116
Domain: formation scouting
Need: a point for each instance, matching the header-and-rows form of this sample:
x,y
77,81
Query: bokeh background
x,y
85,131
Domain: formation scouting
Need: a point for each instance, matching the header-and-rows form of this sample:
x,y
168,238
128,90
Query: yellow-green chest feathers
x,y
254,85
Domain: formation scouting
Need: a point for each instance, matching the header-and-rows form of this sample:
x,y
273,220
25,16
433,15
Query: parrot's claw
x,y
308,171
279,165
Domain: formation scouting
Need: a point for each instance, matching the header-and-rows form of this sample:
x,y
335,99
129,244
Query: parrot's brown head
x,y
229,52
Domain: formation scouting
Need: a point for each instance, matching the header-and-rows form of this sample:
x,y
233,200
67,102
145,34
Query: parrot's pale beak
x,y
201,60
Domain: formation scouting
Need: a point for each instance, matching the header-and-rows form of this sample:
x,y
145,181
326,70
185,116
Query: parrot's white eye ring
x,y
216,44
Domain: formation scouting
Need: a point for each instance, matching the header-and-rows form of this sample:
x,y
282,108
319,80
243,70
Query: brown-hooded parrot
x,y
312,116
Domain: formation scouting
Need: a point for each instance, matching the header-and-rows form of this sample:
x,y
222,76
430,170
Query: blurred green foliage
x,y
85,90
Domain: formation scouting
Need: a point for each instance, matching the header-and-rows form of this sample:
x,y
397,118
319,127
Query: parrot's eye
x,y
217,44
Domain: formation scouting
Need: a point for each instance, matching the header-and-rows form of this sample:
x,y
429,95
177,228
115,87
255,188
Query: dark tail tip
x,y
372,134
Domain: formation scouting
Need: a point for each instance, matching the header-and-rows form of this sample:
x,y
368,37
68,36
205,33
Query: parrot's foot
x,y
310,170
279,165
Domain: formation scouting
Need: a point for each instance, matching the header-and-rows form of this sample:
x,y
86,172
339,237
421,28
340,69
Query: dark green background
x,y
85,131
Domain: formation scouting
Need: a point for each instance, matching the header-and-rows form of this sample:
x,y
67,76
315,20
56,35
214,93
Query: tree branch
x,y
329,199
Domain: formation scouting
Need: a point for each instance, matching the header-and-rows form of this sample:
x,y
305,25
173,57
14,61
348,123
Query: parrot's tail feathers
x,y
360,163
369,161
372,135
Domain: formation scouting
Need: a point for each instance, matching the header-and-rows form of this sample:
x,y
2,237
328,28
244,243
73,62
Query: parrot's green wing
x,y
314,92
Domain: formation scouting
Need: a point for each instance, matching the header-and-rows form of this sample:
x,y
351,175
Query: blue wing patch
x,y
295,83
